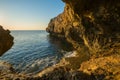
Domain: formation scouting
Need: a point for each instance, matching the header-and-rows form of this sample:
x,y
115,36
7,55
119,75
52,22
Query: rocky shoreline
x,y
93,29
102,68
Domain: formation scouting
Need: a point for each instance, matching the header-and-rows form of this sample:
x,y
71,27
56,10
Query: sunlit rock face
x,y
96,23
93,28
6,40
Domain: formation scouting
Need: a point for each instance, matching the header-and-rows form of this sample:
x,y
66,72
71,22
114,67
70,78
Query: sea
x,y
34,50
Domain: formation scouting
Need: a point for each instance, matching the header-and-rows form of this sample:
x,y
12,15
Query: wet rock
x,y
7,72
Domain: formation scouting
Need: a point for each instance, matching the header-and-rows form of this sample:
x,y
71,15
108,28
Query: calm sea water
x,y
33,51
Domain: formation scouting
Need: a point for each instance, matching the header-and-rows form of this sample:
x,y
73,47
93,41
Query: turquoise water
x,y
33,51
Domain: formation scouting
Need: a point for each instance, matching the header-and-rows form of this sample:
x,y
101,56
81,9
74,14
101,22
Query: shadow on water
x,y
60,43
35,50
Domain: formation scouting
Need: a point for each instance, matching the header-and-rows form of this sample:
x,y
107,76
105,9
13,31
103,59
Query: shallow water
x,y
33,51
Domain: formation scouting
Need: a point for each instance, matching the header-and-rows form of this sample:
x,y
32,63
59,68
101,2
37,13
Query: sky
x,y
28,14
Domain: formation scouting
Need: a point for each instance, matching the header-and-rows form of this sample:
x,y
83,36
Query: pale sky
x,y
28,14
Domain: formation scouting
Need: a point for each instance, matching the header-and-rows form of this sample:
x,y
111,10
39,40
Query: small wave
x,y
33,51
71,54
38,65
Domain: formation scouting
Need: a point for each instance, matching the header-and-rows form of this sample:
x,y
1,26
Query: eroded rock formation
x,y
93,28
96,23
6,40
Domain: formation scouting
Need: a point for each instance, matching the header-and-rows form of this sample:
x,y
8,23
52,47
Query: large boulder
x,y
6,40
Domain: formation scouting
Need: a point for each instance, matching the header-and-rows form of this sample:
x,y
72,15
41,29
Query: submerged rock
x,y
6,40
7,72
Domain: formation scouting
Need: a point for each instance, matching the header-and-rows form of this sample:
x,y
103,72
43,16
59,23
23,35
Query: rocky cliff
x,y
6,40
95,23
93,28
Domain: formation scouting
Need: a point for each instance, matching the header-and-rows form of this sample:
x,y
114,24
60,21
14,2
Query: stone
x,y
93,28
96,23
6,40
